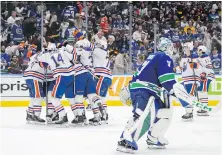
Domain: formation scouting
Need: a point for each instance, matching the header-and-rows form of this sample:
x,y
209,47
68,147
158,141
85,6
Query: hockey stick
x,y
46,92
196,87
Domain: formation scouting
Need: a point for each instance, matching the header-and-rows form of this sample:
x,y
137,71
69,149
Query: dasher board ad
x,y
14,91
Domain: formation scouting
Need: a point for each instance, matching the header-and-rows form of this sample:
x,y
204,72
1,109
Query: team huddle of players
x,y
81,70
76,71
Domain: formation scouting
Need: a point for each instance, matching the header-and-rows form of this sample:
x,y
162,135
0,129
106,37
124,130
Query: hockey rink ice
x,y
200,137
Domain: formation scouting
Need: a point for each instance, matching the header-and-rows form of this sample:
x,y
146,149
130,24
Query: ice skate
x,y
96,120
104,119
38,120
52,117
126,146
189,114
62,121
201,112
79,120
187,117
29,118
156,143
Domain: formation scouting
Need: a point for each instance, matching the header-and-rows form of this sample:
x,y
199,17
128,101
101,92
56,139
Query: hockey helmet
x,y
165,45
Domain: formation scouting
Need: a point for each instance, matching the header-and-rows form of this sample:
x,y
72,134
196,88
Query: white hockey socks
x,y
203,97
77,105
37,106
31,106
95,103
58,106
51,107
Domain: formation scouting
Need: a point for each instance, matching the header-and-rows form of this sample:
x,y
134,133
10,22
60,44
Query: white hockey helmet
x,y
124,96
201,49
187,48
165,45
51,47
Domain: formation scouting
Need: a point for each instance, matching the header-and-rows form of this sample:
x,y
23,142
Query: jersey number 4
x,y
56,61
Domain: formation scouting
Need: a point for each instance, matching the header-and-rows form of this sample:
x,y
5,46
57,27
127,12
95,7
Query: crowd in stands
x,y
196,22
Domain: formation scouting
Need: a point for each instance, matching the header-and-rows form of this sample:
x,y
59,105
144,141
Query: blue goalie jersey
x,y
156,72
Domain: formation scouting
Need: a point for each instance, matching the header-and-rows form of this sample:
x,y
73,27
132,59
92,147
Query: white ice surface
x,y
200,137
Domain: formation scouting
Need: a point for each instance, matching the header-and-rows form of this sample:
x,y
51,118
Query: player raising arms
x,y
206,76
145,90
102,72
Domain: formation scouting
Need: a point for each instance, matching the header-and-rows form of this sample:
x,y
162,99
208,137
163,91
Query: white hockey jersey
x,y
34,71
207,66
82,59
101,63
60,62
189,74
84,44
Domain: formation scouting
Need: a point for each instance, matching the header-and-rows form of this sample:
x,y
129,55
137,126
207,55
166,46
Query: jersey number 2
x,y
59,58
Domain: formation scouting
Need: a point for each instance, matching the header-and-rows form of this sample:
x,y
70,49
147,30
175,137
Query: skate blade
x,y
78,124
202,114
66,125
30,122
95,124
156,146
125,150
187,120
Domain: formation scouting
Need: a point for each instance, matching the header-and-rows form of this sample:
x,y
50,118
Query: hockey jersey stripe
x,y
34,74
166,77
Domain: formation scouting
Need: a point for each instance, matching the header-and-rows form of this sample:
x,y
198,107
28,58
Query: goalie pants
x,y
140,99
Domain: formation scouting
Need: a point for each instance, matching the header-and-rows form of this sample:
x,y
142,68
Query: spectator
x,y
53,19
11,19
63,27
216,61
137,34
78,21
69,32
17,34
15,67
19,9
104,24
139,62
118,23
5,60
119,65
190,27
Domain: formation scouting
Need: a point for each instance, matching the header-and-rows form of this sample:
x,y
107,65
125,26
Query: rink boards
x,y
14,92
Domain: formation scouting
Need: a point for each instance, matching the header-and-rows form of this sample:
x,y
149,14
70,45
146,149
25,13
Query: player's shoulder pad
x,y
194,55
204,55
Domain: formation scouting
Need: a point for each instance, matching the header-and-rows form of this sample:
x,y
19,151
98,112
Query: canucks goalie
x,y
145,91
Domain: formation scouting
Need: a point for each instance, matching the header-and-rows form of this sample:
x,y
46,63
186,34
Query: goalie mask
x,y
166,46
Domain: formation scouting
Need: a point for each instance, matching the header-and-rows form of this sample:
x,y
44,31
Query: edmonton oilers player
x,y
191,71
145,89
102,72
206,77
84,82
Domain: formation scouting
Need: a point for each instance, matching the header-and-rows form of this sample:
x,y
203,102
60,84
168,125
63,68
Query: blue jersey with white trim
x,y
156,72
